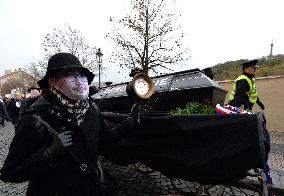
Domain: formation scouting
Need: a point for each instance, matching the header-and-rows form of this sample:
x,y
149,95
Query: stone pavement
x,y
6,135
276,159
165,186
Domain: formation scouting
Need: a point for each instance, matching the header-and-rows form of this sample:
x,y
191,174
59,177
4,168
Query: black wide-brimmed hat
x,y
61,62
250,63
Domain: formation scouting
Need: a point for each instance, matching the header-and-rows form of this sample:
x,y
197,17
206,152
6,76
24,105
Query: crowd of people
x,y
11,108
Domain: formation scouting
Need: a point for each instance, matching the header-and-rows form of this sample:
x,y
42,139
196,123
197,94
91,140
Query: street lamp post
x,y
99,56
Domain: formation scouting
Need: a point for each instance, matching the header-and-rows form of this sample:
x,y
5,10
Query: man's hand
x,y
60,141
65,138
261,105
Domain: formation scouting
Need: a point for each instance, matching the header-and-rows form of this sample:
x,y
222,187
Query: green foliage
x,y
194,108
232,69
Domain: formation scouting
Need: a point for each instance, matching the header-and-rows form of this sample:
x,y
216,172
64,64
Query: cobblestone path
x,y
135,183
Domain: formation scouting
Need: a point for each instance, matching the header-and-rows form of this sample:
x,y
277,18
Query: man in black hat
x,y
244,91
26,103
57,140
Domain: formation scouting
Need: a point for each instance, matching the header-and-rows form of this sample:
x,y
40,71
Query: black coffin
x,y
209,149
171,91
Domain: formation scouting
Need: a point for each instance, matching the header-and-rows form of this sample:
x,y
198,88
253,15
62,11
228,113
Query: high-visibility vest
x,y
252,94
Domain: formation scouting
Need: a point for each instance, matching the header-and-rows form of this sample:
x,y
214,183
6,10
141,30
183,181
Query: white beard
x,y
73,91
75,95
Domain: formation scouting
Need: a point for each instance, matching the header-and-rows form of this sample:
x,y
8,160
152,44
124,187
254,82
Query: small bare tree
x,y
36,69
148,37
72,41
20,80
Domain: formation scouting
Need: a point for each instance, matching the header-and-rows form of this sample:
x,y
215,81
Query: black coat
x,y
3,111
27,161
13,111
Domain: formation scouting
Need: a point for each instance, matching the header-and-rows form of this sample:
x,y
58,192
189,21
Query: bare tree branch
x,y
148,37
72,41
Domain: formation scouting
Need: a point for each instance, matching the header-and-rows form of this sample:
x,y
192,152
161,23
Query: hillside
x,y
232,69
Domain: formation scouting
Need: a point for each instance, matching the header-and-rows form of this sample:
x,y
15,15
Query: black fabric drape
x,y
209,149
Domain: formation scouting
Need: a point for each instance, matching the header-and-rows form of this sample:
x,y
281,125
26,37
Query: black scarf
x,y
77,109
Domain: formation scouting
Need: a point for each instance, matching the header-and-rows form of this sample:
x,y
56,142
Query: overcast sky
x,y
216,30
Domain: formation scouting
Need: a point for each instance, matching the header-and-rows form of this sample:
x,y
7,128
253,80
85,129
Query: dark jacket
x,y
13,111
27,159
4,112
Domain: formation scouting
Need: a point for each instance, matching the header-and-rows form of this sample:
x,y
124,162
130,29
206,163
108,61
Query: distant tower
x,y
271,50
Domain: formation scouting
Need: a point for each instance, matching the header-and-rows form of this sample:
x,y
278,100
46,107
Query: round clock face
x,y
141,86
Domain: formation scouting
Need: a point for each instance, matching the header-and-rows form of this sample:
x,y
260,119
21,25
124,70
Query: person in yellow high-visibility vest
x,y
244,91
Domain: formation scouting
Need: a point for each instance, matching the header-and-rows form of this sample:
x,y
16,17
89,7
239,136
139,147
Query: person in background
x,y
244,91
14,108
6,100
93,90
26,103
3,112
58,140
